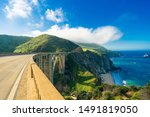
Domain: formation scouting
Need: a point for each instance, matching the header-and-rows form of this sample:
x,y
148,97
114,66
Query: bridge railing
x,y
45,89
14,54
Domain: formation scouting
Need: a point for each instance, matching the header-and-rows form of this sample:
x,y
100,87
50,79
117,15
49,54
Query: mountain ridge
x,y
8,43
47,43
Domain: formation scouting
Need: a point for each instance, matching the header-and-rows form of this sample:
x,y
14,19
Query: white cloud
x,y
100,35
42,18
39,25
34,2
36,25
55,16
19,8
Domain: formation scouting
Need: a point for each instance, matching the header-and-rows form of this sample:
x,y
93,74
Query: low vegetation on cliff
x,y
100,50
82,80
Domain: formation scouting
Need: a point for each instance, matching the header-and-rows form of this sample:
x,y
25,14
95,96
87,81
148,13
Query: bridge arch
x,y
47,63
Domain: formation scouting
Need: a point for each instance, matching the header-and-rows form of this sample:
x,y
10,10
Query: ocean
x,y
135,68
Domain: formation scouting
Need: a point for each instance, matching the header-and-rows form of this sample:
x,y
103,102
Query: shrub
x,y
135,96
145,92
134,88
84,95
96,94
107,95
123,90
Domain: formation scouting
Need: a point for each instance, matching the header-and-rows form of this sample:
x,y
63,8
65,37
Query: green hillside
x,y
92,46
82,78
46,43
98,49
9,43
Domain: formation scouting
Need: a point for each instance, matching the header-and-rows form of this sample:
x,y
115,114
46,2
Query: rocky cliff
x,y
92,62
82,72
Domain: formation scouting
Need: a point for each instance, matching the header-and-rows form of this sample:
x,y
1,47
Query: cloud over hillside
x,y
100,35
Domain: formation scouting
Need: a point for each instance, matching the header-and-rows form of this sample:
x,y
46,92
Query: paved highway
x,y
10,70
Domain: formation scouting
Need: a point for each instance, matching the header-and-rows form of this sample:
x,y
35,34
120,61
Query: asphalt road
x,y
10,68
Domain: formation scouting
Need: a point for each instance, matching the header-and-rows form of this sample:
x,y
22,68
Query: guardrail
x,y
43,89
14,54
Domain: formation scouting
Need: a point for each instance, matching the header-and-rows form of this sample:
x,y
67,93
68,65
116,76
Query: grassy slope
x,y
9,43
97,49
85,81
76,79
46,43
93,47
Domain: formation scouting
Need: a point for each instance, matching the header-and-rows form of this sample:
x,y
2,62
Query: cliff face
x,y
81,67
92,62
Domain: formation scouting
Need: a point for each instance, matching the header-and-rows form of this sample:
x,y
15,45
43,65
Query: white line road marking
x,y
16,84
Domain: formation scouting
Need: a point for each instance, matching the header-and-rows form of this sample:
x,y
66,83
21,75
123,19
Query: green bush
x,y
107,95
145,92
96,94
123,90
134,88
84,95
135,96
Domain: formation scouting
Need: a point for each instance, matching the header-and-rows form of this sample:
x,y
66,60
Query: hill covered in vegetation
x,y
82,78
98,49
9,43
47,43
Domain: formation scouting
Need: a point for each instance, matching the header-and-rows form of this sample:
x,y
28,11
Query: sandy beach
x,y
107,78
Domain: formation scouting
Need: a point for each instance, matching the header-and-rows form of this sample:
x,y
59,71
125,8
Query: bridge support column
x,y
51,68
47,63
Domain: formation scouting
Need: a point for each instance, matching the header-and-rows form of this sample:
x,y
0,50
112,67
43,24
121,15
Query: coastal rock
x,y
83,62
93,62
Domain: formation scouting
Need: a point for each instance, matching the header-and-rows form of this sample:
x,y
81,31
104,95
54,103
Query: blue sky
x,y
116,24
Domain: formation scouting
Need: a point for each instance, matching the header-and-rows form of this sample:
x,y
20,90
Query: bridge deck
x,y
10,68
21,78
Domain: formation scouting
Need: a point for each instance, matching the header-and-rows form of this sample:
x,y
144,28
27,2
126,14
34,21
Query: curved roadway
x,y
10,69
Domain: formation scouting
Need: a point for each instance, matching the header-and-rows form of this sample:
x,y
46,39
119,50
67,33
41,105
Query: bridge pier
x,y
47,63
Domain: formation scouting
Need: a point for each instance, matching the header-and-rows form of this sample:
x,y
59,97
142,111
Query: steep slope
x,y
93,62
47,43
8,43
92,46
82,80
82,72
98,49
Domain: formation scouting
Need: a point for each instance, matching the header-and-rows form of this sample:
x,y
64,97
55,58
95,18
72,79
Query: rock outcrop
x,y
92,62
82,62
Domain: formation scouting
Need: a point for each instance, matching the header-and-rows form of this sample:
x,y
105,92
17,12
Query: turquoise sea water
x,y
135,68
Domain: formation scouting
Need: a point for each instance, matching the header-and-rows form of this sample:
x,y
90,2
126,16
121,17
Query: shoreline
x,y
108,78
112,78
117,78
